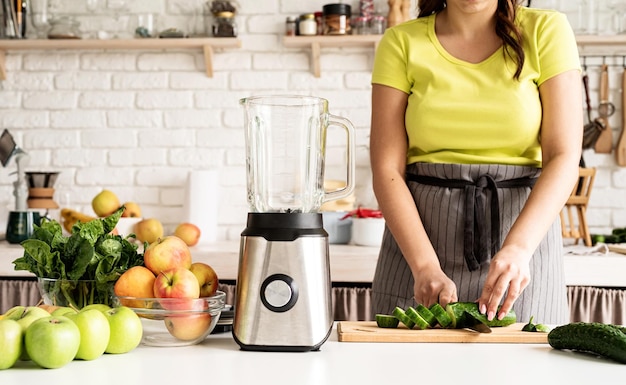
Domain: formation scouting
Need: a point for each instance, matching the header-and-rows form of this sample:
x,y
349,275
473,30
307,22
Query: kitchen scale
x,y
283,292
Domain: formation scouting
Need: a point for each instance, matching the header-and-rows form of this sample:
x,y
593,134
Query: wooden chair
x,y
574,214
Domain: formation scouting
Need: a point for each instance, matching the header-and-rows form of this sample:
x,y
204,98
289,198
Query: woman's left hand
x,y
509,273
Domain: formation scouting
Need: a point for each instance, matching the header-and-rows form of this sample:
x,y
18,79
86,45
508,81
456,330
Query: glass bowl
x,y
176,321
76,294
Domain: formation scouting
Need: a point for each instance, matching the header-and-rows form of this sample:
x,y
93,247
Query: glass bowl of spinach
x,y
81,268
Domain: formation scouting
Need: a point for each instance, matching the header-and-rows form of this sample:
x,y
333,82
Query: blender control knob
x,y
279,293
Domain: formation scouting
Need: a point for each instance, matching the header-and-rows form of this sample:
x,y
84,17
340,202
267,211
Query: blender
x,y
283,294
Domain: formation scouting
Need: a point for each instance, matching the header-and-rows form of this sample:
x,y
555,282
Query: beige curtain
x,y
18,292
595,304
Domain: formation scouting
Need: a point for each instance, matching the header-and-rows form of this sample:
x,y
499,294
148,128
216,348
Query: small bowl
x,y
368,231
76,294
176,321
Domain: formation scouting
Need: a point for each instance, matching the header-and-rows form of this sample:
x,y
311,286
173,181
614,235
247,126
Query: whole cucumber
x,y
592,337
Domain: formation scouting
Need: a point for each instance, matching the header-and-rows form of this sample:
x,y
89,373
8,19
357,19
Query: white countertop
x,y
218,360
350,263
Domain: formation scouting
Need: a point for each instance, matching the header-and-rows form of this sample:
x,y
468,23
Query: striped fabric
x,y
442,211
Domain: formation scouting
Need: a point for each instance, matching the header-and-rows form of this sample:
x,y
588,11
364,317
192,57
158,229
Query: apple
x,y
52,342
167,253
94,333
188,327
63,310
138,282
176,283
207,278
98,306
11,342
25,316
105,203
131,210
188,232
126,330
148,230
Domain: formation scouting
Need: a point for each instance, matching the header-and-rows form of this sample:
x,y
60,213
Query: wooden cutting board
x,y
617,247
367,331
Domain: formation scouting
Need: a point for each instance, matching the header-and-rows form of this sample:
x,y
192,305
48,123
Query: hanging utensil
x,y
620,149
604,144
593,127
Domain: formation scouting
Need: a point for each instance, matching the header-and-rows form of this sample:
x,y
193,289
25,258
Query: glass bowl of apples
x,y
175,321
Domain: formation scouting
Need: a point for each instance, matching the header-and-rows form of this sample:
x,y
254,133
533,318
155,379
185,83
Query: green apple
x,y
63,311
94,333
11,341
126,330
25,316
52,342
98,306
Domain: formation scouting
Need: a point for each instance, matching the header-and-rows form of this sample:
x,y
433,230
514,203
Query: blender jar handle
x,y
344,123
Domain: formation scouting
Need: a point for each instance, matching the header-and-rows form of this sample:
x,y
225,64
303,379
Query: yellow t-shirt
x,y
460,112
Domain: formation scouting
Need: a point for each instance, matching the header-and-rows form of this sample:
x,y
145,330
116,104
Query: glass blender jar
x,y
283,298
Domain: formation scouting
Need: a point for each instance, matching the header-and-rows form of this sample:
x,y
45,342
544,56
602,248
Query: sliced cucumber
x,y
440,314
386,321
427,315
420,322
399,313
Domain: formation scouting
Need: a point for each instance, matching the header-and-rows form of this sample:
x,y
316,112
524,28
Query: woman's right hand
x,y
432,285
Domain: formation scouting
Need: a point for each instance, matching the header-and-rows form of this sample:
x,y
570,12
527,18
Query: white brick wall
x,y
137,121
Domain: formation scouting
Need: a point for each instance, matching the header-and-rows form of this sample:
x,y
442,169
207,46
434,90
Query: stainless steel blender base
x,y
283,299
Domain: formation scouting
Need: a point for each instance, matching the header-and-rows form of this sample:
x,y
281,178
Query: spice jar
x,y
336,19
64,28
290,26
378,24
307,25
360,25
224,25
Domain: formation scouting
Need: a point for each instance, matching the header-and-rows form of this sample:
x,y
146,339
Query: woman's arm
x,y
388,151
561,145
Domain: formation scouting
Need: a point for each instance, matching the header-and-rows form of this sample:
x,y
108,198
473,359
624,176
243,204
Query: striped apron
x,y
466,222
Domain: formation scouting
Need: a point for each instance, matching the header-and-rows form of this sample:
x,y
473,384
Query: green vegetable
x,y
417,319
88,253
443,319
531,327
456,311
386,321
427,315
592,337
399,313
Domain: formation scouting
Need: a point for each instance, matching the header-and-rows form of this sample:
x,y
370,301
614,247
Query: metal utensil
x,y
476,325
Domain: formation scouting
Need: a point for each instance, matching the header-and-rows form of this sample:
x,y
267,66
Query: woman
x,y
475,143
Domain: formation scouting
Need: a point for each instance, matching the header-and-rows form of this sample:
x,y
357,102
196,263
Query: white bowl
x,y
367,231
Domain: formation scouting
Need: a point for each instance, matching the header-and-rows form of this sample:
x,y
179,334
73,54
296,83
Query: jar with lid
x,y
290,26
64,27
224,24
307,25
336,19
360,25
378,24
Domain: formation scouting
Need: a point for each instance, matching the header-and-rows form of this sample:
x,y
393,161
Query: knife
x,y
472,323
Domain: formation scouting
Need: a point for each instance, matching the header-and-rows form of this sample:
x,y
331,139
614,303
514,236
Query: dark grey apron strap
x,y
476,247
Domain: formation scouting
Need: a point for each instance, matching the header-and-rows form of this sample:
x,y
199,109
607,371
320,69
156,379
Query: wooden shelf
x,y
206,44
316,43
